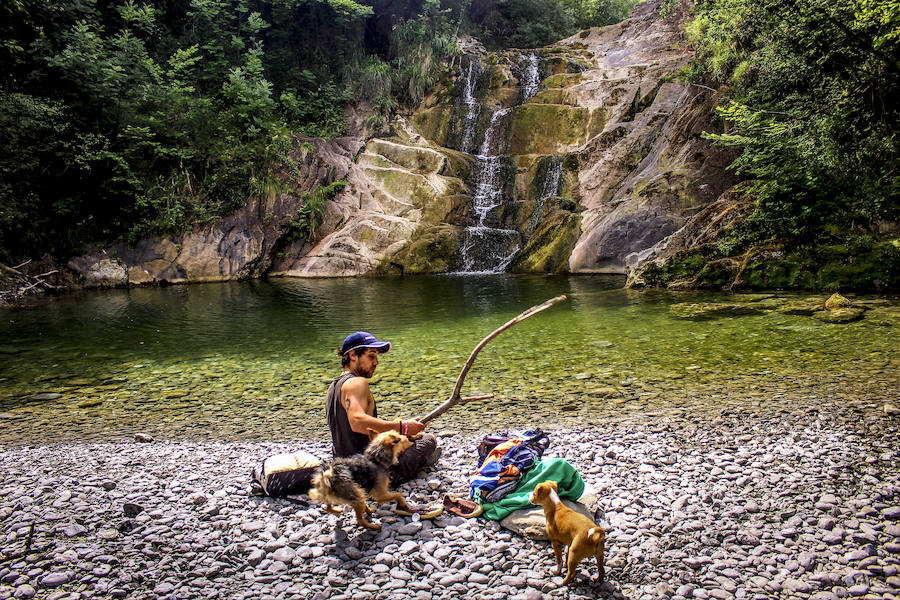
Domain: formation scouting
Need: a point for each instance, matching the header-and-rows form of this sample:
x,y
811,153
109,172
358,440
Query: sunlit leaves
x,y
140,17
811,83
884,16
349,8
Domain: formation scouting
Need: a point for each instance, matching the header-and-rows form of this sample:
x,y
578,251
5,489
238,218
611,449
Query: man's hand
x,y
414,427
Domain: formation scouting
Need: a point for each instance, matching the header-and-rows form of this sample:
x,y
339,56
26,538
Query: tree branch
x,y
454,397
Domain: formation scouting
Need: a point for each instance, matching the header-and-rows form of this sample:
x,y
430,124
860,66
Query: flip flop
x,y
462,507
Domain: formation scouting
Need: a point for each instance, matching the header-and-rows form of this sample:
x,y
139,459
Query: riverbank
x,y
799,503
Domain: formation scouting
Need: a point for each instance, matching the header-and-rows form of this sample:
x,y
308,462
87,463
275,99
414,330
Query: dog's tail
x,y
596,535
321,484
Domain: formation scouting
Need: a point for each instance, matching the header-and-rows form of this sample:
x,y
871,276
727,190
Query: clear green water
x,y
252,359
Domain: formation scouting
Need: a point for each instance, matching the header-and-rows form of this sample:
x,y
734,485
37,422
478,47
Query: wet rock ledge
x,y
739,507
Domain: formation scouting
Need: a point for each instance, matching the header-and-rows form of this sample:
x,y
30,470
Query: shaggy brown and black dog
x,y
349,480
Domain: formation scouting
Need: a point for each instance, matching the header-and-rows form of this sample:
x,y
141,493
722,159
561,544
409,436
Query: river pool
x,y
251,360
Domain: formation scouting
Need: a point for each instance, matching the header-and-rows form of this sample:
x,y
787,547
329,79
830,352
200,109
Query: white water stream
x,y
473,107
486,249
551,188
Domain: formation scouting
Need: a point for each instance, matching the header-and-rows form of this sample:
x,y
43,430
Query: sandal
x,y
462,507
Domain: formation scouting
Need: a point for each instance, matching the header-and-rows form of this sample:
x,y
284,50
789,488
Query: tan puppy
x,y
349,480
569,528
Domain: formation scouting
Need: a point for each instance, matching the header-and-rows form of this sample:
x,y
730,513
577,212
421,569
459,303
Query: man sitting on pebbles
x,y
351,411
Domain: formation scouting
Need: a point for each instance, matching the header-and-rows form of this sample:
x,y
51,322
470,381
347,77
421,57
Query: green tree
x,y
811,85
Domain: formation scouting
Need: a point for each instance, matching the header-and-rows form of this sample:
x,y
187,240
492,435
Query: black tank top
x,y
344,441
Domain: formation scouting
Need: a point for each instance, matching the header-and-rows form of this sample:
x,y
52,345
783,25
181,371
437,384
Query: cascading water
x,y
552,180
532,78
486,249
473,108
483,248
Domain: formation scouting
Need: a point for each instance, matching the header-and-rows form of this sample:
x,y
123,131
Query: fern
x,y
309,216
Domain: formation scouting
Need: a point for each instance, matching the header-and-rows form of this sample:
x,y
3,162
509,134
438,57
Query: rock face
x,y
626,135
581,157
400,191
240,246
647,171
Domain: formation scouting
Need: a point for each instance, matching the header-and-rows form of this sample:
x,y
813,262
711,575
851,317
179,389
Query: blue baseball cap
x,y
363,339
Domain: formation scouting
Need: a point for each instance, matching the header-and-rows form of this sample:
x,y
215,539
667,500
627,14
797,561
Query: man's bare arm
x,y
355,398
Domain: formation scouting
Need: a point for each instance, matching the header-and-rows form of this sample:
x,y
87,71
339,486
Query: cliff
x,y
583,156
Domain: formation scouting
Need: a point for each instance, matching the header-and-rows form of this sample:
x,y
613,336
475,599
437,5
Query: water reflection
x,y
251,358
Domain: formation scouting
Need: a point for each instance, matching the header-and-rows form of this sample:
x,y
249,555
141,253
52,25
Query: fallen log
x,y
455,397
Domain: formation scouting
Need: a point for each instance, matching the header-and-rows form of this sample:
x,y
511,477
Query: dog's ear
x,y
372,433
554,485
413,438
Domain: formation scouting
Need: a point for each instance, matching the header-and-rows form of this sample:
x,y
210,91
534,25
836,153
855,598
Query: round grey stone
x,y
24,591
55,579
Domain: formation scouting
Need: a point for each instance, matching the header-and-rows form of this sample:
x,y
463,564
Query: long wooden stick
x,y
454,397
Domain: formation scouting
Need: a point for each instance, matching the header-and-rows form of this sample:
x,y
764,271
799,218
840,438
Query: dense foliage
x,y
122,118
536,23
813,88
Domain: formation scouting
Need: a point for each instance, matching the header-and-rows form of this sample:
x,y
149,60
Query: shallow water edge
x,y
251,360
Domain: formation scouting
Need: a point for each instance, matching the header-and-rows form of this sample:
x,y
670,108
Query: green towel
x,y
571,486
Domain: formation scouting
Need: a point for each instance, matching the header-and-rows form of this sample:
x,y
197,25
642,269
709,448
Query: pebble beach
x,y
799,503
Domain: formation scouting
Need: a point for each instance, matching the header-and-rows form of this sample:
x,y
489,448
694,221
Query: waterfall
x,y
489,143
551,187
473,108
483,248
486,249
532,78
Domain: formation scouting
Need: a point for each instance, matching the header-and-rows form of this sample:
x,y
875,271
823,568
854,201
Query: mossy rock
x,y
524,165
752,297
420,160
717,274
531,172
500,76
434,123
562,80
376,160
446,208
503,89
699,311
682,266
564,61
414,158
766,272
442,92
549,247
840,315
432,250
769,303
458,164
552,128
836,302
554,96
540,173
409,187
864,265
